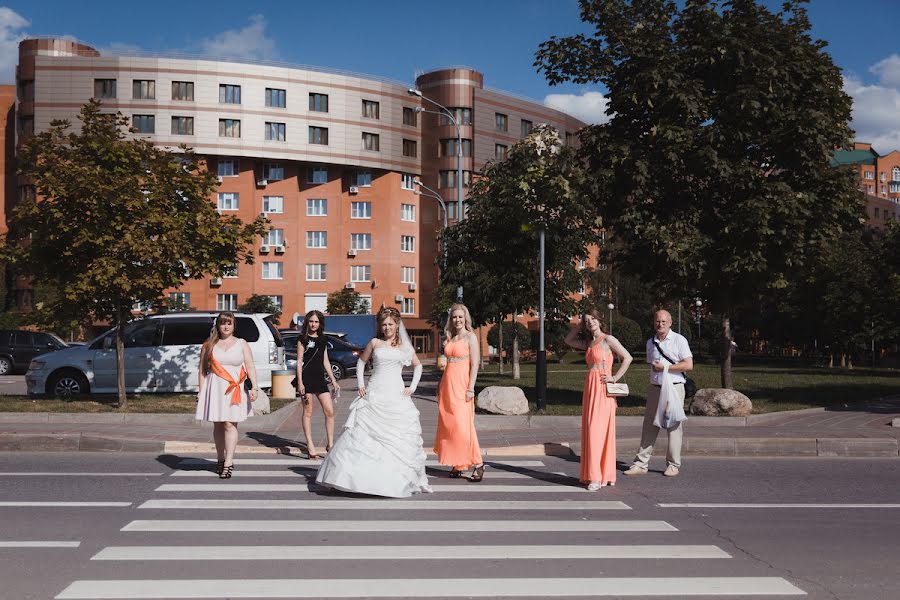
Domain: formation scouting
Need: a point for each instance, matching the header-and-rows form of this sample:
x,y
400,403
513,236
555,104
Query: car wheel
x,y
5,366
338,371
67,384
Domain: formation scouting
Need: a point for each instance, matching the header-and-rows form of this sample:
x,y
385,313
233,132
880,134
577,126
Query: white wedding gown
x,y
380,450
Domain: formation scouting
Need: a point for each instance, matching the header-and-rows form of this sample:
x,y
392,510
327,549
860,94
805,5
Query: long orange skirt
x,y
598,431
455,441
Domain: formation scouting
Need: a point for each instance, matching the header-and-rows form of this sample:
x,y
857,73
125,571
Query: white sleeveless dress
x,y
380,450
214,405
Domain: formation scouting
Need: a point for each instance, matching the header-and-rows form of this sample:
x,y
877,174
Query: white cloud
x,y
876,111
888,71
590,107
251,42
11,24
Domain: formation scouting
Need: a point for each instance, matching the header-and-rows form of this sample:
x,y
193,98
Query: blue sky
x,y
395,39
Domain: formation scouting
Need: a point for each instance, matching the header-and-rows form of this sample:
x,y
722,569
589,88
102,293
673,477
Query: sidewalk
x,y
869,429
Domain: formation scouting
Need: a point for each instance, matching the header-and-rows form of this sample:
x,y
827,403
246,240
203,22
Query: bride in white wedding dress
x,y
380,450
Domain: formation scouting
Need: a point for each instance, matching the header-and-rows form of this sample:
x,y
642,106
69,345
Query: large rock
x,y
717,402
502,400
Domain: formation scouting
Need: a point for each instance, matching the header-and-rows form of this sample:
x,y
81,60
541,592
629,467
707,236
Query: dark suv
x,y
341,354
17,348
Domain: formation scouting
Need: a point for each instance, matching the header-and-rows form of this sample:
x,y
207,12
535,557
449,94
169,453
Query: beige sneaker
x,y
671,471
636,470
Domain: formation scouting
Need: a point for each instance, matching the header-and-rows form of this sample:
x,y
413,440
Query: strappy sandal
x,y
455,473
311,456
226,472
477,473
220,466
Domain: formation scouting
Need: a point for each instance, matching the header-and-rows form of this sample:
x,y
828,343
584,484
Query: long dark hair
x,y
207,349
304,331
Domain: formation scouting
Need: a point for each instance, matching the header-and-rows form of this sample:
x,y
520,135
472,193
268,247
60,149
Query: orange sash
x,y
234,387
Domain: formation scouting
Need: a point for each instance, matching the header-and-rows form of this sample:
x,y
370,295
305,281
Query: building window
x,y
227,168
226,302
870,175
316,239
230,271
407,243
452,209
318,102
410,117
500,151
229,93
273,172
273,270
407,181
274,237
316,207
407,274
230,128
527,126
409,148
143,89
228,201
104,88
408,212
277,301
362,178
26,90
370,109
877,212
884,189
144,123
360,210
448,147
183,90
371,141
273,204
408,306
570,138
895,174
275,131
501,122
463,116
871,189
360,273
318,135
883,176
276,98
317,176
895,187
448,179
360,241
316,272
183,298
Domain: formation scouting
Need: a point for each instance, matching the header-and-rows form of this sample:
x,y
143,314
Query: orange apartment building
x,y
879,179
329,157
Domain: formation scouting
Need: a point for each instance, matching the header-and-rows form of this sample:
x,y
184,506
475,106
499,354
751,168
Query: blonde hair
x,y
388,312
210,343
467,326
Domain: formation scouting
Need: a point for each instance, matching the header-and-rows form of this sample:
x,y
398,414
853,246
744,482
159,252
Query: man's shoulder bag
x,y
690,387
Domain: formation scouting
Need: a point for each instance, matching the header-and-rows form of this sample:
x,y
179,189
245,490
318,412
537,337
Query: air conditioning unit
x,y
351,252
220,179
262,182
215,281
279,249
412,287
264,249
398,298
354,189
350,285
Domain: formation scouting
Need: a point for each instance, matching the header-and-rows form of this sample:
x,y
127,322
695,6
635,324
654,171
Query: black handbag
x,y
690,386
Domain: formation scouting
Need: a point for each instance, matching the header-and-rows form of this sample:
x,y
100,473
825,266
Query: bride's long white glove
x,y
417,375
360,375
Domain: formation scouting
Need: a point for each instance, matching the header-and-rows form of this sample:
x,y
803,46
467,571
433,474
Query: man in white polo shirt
x,y
666,343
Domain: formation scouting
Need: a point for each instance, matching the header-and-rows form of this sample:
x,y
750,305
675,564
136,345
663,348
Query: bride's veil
x,y
406,345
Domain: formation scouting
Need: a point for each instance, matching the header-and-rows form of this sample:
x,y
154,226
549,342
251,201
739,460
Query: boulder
x,y
501,400
717,402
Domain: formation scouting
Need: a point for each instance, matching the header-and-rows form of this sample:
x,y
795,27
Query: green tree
x,y
261,304
629,333
713,169
117,220
511,331
346,301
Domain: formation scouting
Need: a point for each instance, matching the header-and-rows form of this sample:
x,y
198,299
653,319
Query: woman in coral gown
x,y
455,441
598,410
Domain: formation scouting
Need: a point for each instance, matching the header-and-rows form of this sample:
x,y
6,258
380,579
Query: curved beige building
x,y
329,157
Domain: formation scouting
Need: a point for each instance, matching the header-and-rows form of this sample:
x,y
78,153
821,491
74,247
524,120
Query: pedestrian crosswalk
x,y
271,533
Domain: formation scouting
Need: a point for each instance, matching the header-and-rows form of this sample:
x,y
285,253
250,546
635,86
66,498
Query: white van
x,y
162,354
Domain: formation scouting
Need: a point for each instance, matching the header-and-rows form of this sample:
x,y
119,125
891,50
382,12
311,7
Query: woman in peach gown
x,y
598,410
455,442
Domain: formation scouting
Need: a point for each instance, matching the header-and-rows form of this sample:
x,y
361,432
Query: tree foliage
x,y
713,168
511,330
346,301
117,220
261,304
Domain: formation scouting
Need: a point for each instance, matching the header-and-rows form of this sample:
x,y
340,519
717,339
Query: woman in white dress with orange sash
x,y
226,362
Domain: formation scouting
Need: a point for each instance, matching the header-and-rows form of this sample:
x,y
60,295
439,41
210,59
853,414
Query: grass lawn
x,y
772,385
143,403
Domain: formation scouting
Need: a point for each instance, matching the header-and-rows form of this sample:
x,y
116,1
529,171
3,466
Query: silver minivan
x,y
162,354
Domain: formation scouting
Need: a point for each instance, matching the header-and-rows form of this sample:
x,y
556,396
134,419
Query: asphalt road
x,y
828,529
12,385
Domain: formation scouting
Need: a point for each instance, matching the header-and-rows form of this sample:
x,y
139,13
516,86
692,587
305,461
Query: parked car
x,y
162,354
341,354
17,348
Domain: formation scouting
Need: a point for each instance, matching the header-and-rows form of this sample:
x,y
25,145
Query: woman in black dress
x,y
312,370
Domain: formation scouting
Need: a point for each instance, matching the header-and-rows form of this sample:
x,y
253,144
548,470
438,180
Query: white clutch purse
x,y
616,389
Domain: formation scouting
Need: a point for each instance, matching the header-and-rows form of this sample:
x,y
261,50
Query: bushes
x,y
493,336
629,333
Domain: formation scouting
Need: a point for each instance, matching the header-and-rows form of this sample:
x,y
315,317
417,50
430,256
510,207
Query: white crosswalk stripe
x,y
301,462
359,504
298,472
233,488
393,526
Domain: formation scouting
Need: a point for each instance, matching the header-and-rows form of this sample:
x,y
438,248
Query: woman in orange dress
x,y
455,441
598,410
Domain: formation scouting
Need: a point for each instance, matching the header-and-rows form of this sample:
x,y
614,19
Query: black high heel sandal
x,y
226,472
477,473
455,473
220,466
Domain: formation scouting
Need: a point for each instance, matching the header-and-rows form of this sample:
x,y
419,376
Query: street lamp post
x,y
540,381
611,307
699,304
433,194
